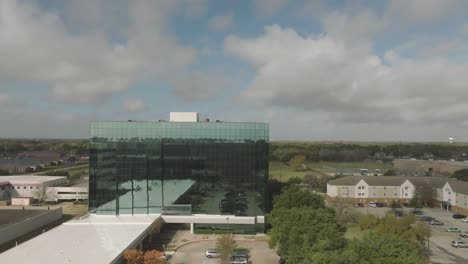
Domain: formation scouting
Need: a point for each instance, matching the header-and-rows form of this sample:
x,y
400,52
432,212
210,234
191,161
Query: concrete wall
x,y
16,230
332,190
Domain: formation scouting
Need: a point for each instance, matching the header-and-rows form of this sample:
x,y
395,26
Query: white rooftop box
x,y
183,116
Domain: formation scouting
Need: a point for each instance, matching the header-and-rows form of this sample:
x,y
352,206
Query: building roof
x,y
385,180
434,182
459,187
29,179
96,239
347,180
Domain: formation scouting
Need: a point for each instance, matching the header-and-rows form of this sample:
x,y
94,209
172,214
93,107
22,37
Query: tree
x,y
133,256
383,248
297,162
417,200
225,244
461,175
344,212
389,173
154,257
300,232
394,205
292,197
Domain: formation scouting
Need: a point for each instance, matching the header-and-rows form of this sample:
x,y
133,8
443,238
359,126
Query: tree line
x,y
317,151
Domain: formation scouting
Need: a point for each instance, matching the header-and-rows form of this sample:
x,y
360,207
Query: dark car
x,y
458,216
464,234
240,254
427,218
398,213
417,212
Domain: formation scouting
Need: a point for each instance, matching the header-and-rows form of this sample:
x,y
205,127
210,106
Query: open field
x,y
282,172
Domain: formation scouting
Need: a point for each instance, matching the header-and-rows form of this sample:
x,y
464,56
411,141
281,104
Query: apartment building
x,y
440,191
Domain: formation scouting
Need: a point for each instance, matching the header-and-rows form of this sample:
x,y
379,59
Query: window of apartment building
x,y
406,194
374,194
384,194
18,187
385,188
37,188
24,187
406,187
30,187
395,194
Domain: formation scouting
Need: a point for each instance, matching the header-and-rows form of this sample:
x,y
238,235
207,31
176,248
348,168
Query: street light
x,y
227,223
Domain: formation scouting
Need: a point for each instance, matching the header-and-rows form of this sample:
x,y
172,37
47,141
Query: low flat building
x,y
27,185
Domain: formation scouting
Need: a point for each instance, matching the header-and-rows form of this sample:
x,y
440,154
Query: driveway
x,y
194,253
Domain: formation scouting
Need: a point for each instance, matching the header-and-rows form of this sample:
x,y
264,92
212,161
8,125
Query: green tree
x,y
300,232
389,173
385,248
461,175
417,200
225,244
394,205
292,197
297,162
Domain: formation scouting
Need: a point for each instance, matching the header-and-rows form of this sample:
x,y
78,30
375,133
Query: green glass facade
x,y
178,168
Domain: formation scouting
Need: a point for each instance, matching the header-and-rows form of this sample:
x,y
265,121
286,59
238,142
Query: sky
x,y
362,70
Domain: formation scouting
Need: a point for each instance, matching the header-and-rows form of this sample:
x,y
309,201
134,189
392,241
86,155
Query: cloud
x,y
424,11
4,98
134,105
87,66
323,74
268,7
221,22
197,86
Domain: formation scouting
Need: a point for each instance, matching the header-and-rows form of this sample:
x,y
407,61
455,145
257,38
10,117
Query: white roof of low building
x,y
29,179
96,239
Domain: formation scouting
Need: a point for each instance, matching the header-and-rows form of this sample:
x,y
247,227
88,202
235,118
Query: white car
x,y
465,220
459,244
374,205
212,253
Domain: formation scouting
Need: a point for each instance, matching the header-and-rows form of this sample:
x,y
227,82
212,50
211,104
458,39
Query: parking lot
x,y
440,249
195,253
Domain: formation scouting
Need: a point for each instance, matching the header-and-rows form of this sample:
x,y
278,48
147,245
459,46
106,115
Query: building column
x,y
192,227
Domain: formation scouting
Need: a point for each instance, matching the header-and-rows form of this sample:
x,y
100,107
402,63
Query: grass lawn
x,y
282,172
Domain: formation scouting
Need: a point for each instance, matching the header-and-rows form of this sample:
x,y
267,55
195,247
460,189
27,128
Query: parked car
x,y
359,205
459,244
373,205
458,216
453,229
427,218
465,220
398,213
381,204
435,222
239,261
417,212
212,253
240,254
464,234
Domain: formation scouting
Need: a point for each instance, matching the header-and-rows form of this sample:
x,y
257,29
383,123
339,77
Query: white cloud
x,y
197,86
4,98
324,74
268,7
86,66
134,105
221,22
358,27
423,11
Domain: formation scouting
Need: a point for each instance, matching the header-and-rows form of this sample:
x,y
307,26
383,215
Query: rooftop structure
x,y
183,117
